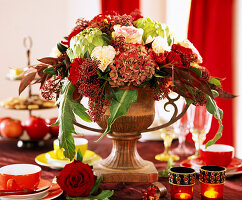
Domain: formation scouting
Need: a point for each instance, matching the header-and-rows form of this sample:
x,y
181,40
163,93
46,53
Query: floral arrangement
x,y
78,181
110,57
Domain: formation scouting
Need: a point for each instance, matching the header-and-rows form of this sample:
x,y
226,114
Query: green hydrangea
x,y
84,42
154,28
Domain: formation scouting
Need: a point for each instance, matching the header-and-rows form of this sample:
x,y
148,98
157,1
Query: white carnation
x,y
105,55
188,44
159,45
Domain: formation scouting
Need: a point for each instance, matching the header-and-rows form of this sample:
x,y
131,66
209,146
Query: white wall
x,y
46,21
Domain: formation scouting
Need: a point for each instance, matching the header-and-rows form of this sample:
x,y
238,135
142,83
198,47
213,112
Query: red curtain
x,y
210,30
121,6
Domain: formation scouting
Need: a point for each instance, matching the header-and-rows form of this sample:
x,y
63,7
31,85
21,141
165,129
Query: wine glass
x,y
182,128
199,126
167,134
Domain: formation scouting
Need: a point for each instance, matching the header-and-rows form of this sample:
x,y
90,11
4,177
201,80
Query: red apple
x,y
54,130
36,127
1,119
11,128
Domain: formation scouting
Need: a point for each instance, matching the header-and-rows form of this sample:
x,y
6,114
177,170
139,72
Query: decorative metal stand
x,y
124,164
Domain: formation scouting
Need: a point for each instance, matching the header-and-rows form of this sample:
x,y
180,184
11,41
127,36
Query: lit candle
x,y
182,196
211,194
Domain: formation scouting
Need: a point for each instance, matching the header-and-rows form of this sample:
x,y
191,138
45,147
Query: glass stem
x,y
167,143
182,139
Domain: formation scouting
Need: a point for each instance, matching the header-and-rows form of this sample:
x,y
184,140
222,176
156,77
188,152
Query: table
x,y
11,154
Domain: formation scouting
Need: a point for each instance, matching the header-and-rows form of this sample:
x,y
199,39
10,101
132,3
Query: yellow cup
x,y
80,143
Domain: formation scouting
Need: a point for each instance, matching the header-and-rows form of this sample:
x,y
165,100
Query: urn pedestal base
x,y
146,174
124,164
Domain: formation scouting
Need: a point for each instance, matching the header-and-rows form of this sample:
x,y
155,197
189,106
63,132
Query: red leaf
x,y
192,79
26,81
49,60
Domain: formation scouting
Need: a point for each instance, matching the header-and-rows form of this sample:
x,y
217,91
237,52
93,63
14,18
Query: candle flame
x,y
211,194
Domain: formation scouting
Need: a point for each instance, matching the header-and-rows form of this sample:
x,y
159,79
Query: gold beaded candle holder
x,y
182,180
212,180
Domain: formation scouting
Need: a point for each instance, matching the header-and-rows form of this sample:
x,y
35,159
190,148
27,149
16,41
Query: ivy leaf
x,y
79,156
218,114
67,108
120,106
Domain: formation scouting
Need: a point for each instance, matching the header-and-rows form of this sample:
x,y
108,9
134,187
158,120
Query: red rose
x,y
76,179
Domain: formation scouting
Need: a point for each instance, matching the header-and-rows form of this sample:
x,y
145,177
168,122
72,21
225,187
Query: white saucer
x,y
34,196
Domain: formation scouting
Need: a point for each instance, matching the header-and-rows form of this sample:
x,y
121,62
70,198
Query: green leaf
x,y
79,156
96,185
159,76
67,107
218,114
164,173
120,106
79,110
215,93
61,47
50,70
197,70
214,81
87,55
104,195
189,101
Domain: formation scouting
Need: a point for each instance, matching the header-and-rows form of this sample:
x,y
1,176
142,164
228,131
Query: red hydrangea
x,y
132,66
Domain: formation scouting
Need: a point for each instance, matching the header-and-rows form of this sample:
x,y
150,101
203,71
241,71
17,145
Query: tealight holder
x,y
212,180
182,180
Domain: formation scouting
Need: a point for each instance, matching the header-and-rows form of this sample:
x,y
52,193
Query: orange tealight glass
x,y
212,180
182,180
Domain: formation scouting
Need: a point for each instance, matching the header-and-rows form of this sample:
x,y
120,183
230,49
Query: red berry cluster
x,y
149,193
161,90
84,75
50,88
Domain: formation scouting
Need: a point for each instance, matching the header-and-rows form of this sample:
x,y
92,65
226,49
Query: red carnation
x,y
173,58
186,54
75,71
158,57
76,179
